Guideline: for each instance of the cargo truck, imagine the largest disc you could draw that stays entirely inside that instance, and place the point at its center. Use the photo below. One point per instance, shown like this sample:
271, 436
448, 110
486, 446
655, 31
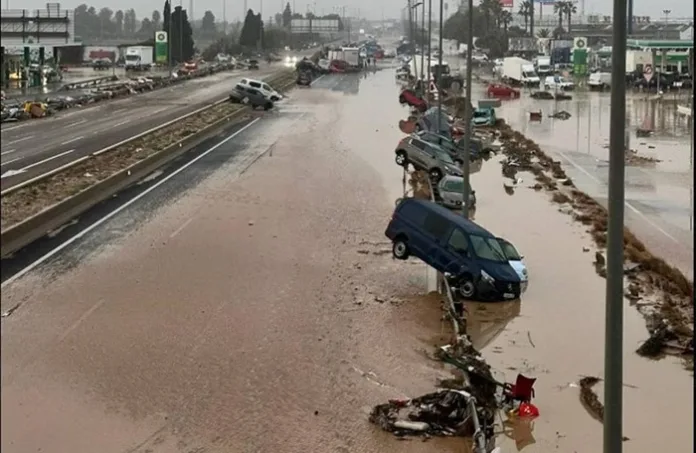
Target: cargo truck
139, 58
518, 71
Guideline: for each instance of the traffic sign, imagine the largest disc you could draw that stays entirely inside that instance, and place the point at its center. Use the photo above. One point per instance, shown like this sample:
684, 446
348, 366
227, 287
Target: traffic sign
648, 72
161, 47
161, 36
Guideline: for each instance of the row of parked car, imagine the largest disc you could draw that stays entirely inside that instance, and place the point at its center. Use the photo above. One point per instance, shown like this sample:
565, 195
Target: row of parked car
17, 109
478, 264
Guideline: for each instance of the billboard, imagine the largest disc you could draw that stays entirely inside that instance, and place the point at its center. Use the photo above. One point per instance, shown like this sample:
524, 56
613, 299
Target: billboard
506, 3
96, 53
161, 47
314, 25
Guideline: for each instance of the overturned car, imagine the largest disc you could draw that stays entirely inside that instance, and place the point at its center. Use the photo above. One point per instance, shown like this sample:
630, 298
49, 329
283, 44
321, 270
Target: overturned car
242, 94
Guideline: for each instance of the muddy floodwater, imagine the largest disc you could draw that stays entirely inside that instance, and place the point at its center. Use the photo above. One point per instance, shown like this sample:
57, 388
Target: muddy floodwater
251, 304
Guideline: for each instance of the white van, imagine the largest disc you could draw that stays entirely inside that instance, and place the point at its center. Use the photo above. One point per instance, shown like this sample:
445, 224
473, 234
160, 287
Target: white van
263, 87
558, 82
599, 81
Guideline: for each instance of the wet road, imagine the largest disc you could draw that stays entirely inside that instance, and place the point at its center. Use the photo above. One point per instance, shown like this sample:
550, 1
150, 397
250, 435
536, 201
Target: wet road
249, 302
32, 148
659, 196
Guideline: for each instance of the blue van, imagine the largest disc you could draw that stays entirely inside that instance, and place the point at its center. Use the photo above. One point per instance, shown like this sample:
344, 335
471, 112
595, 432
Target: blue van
450, 243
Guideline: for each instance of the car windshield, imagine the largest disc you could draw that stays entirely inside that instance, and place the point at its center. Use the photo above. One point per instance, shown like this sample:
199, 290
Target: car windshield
488, 249
454, 186
480, 113
509, 250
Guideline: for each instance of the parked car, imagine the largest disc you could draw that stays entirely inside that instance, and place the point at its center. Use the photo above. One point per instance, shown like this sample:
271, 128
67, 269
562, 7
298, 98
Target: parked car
413, 100
451, 192
516, 261
599, 80
558, 83
499, 90
454, 245
425, 156
251, 96
455, 149
253, 65
483, 117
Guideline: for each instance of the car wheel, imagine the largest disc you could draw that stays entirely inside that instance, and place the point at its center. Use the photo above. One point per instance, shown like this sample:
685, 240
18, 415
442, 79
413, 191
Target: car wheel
436, 174
466, 287
400, 249
401, 159
268, 106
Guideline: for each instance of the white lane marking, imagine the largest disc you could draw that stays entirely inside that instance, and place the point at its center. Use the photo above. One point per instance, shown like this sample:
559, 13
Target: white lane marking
76, 123
4, 129
6, 162
119, 110
181, 228
20, 139
36, 164
73, 140
121, 123
628, 205
5, 153
81, 319
116, 211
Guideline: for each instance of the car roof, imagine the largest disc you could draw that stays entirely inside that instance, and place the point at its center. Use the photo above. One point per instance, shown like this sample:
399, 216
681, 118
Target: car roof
467, 225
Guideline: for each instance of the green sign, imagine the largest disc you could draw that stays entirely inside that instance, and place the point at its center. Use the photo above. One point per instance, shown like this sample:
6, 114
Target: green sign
579, 62
161, 47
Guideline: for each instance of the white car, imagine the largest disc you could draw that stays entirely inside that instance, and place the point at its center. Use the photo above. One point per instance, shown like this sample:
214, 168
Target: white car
558, 82
290, 62
263, 87
516, 262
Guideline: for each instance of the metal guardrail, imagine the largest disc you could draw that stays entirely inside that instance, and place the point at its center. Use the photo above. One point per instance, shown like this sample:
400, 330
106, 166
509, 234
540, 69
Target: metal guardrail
37, 226
270, 80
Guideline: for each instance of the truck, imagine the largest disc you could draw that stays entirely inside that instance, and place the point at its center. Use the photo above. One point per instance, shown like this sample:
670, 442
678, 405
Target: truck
139, 58
543, 66
518, 71
351, 55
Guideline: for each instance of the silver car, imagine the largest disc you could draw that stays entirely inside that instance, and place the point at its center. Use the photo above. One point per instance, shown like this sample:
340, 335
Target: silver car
451, 188
427, 157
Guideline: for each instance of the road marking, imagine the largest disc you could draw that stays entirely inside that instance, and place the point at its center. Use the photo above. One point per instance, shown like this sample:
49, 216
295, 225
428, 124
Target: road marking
4, 153
36, 164
121, 208
181, 228
73, 140
77, 123
81, 319
11, 128
20, 139
6, 162
121, 123
628, 205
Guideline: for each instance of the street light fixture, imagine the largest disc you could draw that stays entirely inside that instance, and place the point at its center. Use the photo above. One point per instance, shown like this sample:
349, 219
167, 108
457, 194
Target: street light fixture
414, 7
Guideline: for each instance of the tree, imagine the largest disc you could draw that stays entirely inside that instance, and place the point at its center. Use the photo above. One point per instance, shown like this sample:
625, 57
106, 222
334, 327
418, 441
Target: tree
544, 33
181, 36
166, 25
525, 11
252, 30
505, 20
118, 17
156, 19
287, 15
278, 19
569, 9
559, 8
208, 23
107, 27
147, 29
130, 22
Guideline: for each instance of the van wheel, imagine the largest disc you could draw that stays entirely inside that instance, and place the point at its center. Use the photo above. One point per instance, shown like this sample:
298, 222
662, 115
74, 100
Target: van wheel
401, 159
467, 288
400, 249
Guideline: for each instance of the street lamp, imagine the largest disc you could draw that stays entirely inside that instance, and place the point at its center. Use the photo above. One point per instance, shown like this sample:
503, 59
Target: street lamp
414, 7
467, 110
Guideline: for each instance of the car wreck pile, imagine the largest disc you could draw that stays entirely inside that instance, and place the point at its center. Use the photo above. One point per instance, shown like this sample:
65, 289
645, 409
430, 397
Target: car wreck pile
81, 94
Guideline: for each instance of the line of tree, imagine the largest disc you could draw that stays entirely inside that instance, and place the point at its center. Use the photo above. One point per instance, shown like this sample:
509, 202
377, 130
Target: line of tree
564, 9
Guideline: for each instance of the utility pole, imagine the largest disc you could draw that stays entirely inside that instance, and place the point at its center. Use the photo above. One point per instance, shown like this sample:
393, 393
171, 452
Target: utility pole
629, 27
430, 37
181, 31
531, 18
613, 339
421, 34
467, 111
439, 63
224, 16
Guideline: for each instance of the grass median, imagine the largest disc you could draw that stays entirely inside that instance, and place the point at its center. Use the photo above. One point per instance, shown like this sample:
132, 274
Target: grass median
28, 201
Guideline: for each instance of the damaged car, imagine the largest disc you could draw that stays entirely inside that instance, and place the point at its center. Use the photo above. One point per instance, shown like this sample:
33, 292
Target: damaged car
250, 96
454, 245
450, 190
427, 157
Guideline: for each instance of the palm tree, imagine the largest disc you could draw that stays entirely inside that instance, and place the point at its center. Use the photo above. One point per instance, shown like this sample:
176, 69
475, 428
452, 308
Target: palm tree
569, 9
559, 8
525, 11
544, 33
505, 20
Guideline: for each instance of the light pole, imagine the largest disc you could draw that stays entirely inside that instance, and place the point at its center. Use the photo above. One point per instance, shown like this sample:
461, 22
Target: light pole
613, 339
430, 36
439, 78
421, 33
467, 111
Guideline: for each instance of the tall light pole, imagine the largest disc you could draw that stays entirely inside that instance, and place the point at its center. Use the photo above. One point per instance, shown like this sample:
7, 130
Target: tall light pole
467, 111
613, 339
421, 33
439, 78
430, 35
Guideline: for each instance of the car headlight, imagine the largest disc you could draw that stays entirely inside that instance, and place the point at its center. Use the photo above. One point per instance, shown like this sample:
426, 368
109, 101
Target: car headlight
524, 272
487, 277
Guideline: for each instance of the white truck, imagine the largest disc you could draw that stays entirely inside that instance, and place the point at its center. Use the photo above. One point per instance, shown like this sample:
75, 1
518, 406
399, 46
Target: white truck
518, 71
139, 58
543, 66
351, 55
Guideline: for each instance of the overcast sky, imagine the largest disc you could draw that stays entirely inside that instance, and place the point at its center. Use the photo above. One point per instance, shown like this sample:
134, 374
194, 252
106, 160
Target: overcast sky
368, 8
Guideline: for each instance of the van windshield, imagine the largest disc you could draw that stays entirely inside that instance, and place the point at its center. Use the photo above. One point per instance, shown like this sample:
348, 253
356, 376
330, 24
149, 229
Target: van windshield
488, 249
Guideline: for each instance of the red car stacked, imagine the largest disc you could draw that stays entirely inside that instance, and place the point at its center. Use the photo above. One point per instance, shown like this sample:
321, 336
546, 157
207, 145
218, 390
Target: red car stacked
498, 90
412, 99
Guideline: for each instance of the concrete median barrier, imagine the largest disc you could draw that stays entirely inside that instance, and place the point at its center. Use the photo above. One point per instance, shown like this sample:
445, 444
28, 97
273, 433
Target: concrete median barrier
24, 232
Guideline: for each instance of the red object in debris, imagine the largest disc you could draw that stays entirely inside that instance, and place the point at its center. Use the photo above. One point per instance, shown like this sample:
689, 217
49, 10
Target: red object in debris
400, 403
527, 410
522, 390
338, 66
499, 90
412, 99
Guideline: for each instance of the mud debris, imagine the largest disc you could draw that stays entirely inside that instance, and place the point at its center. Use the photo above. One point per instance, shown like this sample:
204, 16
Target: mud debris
589, 399
649, 276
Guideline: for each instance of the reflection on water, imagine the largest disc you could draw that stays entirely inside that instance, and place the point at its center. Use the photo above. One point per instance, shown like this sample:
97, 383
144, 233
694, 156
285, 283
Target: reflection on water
488, 320
520, 429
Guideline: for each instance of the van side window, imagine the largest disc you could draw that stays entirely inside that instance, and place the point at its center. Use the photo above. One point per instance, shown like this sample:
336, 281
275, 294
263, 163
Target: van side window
436, 225
458, 242
255, 84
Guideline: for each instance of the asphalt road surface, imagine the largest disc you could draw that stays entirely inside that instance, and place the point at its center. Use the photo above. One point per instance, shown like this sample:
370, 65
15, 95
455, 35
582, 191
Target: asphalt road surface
32, 148
244, 299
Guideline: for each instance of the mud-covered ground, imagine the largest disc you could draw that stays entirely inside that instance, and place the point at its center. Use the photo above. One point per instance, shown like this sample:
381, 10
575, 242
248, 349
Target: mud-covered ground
253, 305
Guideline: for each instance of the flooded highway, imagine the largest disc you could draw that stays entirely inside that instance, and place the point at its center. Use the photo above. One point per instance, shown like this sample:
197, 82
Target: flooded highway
249, 303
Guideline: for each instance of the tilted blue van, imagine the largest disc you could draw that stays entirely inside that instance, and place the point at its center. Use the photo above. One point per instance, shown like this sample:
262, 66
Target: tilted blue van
450, 243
